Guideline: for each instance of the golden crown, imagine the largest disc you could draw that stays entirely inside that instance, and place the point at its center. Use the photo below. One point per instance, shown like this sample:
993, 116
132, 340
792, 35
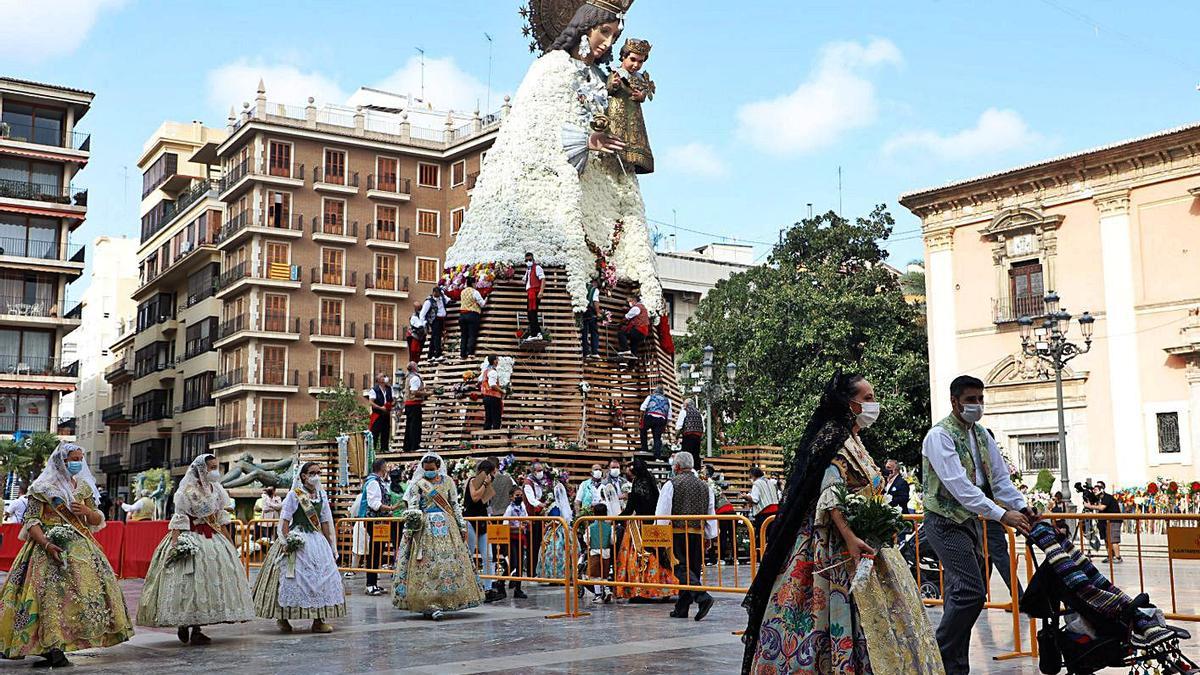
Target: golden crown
636, 46
618, 7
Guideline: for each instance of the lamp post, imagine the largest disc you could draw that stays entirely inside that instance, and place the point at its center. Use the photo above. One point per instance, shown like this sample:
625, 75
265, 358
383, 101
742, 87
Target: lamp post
707, 385
1049, 343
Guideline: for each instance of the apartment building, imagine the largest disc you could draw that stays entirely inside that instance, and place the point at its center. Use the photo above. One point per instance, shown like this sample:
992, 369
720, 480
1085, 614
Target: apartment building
105, 301
168, 363
688, 276
337, 220
41, 205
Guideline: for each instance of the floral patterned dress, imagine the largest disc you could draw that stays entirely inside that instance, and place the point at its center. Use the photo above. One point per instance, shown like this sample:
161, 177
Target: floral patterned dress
73, 606
434, 571
813, 625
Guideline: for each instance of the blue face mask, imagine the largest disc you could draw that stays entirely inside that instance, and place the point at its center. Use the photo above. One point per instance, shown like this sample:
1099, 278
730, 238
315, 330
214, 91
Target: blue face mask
431, 474
74, 467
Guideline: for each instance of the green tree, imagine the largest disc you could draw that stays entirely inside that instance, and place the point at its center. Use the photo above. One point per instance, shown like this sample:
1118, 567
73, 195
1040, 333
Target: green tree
26, 457
344, 413
823, 301
913, 282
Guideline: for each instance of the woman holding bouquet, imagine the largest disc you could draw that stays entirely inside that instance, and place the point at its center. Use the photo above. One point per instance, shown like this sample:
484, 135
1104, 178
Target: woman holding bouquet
196, 577
61, 594
299, 577
803, 616
552, 555
434, 573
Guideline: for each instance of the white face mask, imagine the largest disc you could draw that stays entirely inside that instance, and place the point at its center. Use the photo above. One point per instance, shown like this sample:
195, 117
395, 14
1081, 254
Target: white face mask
870, 413
214, 476
972, 412
529, 263
387, 380
597, 474
314, 482
615, 473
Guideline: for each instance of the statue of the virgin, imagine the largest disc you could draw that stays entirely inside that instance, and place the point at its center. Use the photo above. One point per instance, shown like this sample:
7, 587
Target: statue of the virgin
553, 183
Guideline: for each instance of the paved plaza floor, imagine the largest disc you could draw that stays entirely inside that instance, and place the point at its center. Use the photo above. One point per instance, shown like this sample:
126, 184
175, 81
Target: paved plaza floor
508, 637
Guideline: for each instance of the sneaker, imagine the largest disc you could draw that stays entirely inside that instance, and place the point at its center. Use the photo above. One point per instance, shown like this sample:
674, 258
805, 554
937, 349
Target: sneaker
348, 575
1119, 559
375, 590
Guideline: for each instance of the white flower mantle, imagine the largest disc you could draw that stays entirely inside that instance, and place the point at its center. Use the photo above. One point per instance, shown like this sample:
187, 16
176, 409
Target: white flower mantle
530, 198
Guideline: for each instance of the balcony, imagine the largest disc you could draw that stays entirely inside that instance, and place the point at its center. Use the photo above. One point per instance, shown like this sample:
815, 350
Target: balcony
334, 231
243, 226
268, 379
271, 431
319, 382
165, 168
269, 326
239, 177
115, 415
38, 366
389, 188
70, 195
41, 254
112, 463
27, 133
336, 281
199, 191
11, 423
276, 275
197, 346
1010, 308
332, 332
147, 454
382, 335
121, 371
388, 237
335, 183
28, 310
389, 286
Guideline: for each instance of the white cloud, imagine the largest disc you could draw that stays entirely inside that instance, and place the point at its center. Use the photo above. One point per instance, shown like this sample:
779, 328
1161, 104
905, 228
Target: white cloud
835, 99
33, 31
996, 132
235, 83
696, 159
447, 86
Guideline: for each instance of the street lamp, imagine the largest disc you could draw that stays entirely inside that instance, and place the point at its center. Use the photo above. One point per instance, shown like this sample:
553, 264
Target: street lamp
707, 385
1049, 343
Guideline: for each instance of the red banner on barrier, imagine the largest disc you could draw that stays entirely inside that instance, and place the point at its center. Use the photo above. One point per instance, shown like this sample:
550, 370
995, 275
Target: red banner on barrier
111, 539
141, 538
11, 546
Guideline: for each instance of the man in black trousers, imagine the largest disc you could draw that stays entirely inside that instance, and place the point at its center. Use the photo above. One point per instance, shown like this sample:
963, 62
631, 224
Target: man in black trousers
686, 495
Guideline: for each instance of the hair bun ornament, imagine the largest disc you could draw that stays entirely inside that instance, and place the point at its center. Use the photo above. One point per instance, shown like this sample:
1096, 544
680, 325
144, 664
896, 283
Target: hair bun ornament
545, 20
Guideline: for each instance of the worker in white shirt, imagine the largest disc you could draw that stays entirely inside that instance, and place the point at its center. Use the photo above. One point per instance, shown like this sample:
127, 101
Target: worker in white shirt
433, 314
415, 335
763, 498
535, 285
635, 329
689, 428
14, 511
686, 494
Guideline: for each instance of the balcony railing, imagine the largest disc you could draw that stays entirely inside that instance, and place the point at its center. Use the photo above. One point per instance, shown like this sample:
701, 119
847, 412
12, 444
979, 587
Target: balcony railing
236, 273
235, 173
243, 220
19, 305
43, 366
320, 175
10, 423
112, 463
198, 346
27, 133
380, 331
233, 325
147, 455
270, 430
185, 200
75, 312
377, 232
42, 250
337, 227
345, 278
114, 413
43, 192
386, 283
324, 328
400, 186
229, 378
122, 367
279, 376
1009, 309
277, 322
318, 379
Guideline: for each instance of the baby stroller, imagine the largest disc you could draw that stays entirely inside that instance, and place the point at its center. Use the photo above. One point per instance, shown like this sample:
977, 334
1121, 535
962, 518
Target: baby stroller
929, 581
1089, 624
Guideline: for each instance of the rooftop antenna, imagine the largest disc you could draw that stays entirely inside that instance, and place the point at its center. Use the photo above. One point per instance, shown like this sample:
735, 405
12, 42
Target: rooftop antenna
810, 210
839, 190
489, 93
422, 53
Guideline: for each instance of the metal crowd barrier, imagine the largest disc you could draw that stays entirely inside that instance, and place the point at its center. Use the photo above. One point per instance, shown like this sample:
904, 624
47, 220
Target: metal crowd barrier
367, 545
256, 538
510, 550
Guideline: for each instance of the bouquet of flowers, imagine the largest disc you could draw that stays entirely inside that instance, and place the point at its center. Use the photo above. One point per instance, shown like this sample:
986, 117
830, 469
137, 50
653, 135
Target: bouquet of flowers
294, 542
413, 520
61, 535
874, 520
184, 549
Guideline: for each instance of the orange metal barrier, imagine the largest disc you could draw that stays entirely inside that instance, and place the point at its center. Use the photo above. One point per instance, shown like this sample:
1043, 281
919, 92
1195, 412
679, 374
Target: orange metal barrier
367, 544
762, 535
672, 546
526, 549
256, 538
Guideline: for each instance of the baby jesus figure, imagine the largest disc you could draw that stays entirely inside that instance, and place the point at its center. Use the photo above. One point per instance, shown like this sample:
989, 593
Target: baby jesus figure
628, 88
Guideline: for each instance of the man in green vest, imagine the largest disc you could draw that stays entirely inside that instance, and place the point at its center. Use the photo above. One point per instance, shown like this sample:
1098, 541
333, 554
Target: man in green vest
965, 477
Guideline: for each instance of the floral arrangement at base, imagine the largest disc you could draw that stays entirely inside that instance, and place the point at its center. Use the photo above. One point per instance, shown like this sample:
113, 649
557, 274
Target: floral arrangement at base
454, 279
185, 548
552, 442
468, 387
459, 469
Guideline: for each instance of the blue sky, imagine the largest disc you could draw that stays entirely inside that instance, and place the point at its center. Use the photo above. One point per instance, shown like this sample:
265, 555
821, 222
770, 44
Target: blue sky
758, 102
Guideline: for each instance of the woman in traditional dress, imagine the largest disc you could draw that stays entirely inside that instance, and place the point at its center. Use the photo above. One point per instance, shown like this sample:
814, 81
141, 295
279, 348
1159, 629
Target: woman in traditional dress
61, 594
803, 618
634, 562
552, 185
434, 573
303, 583
208, 585
552, 555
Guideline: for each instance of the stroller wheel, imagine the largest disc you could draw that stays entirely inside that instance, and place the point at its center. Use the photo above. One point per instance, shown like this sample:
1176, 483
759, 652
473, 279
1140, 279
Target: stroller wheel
930, 590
